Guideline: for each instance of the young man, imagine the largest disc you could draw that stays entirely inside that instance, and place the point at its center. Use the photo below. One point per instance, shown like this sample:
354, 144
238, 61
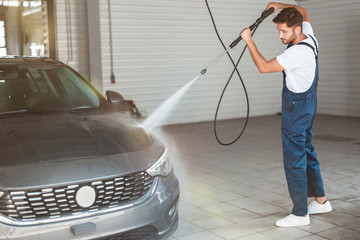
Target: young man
299, 63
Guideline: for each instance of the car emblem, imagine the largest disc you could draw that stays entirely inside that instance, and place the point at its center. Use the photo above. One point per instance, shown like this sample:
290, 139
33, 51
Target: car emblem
85, 196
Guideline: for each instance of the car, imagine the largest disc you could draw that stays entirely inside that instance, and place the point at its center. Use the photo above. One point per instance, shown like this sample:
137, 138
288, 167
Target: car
72, 166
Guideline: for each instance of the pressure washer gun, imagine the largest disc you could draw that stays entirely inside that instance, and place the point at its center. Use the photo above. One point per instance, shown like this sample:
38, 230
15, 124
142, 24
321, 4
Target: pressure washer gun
264, 15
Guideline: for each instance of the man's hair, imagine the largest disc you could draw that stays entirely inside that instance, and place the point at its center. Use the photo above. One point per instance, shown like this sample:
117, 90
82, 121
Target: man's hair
291, 16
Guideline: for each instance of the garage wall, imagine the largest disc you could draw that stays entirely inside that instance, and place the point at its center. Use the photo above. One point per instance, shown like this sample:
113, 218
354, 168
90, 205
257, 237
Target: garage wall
72, 34
337, 27
161, 45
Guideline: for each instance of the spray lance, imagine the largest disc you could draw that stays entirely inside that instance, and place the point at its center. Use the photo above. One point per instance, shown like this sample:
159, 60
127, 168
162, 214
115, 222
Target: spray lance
252, 28
264, 15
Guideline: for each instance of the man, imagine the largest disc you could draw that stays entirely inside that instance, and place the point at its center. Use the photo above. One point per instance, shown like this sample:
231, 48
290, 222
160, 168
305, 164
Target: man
299, 63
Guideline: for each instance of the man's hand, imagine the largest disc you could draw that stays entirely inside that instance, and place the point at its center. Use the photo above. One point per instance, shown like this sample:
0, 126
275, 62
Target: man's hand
261, 63
274, 5
277, 6
246, 35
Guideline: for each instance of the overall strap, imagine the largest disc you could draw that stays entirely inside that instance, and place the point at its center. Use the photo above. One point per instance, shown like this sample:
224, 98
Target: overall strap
316, 52
283, 72
307, 44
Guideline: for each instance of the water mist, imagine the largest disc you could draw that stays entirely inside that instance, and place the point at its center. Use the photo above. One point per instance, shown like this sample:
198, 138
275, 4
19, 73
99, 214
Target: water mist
162, 113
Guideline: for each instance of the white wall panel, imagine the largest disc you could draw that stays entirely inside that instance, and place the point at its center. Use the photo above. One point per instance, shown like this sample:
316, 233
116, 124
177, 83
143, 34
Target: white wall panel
72, 34
160, 45
337, 27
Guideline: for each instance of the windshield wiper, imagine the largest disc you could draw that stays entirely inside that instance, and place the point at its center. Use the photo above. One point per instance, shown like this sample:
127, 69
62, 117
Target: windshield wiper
44, 109
10, 112
34, 109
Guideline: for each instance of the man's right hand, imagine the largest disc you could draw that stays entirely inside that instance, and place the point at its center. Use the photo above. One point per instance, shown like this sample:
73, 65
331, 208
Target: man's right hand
275, 5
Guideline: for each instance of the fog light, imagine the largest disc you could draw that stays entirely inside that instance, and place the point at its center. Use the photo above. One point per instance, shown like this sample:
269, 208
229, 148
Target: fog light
172, 212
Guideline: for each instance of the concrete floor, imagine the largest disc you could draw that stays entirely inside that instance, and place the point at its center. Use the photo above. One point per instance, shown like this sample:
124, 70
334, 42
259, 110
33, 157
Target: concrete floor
238, 192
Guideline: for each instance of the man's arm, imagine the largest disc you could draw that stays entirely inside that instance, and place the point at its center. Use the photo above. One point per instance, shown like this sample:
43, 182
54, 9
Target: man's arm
264, 66
277, 6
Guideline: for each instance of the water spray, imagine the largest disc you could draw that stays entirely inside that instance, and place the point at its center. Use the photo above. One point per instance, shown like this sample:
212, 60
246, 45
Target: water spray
158, 117
252, 28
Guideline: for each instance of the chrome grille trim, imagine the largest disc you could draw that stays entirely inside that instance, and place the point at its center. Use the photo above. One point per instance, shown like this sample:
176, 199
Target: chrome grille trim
60, 205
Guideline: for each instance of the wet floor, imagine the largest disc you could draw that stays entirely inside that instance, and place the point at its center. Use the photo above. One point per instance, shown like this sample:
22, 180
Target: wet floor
238, 192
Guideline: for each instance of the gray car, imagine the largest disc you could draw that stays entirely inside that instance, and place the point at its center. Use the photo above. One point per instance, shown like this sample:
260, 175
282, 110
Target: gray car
72, 166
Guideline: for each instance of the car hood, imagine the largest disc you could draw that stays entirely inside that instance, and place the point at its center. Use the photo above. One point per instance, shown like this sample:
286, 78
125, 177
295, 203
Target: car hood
54, 137
66, 148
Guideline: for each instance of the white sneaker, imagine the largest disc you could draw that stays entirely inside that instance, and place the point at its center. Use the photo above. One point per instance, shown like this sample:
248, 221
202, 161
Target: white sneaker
315, 208
293, 221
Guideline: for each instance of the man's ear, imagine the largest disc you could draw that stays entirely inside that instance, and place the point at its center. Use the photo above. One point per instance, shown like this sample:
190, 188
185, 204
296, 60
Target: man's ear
298, 30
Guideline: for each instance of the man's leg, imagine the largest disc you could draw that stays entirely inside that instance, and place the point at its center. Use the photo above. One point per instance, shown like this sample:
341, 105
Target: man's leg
295, 170
315, 183
293, 132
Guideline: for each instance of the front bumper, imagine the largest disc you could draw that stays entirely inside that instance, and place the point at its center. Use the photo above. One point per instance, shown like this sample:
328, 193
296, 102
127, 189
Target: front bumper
151, 214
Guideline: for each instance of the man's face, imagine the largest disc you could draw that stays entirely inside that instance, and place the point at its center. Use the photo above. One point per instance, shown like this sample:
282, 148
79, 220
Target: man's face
286, 34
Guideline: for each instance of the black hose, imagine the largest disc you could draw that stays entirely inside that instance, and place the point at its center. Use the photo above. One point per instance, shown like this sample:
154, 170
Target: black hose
227, 83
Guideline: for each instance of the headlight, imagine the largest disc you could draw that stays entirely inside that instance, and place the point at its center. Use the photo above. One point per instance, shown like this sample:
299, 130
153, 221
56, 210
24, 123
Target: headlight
161, 167
1, 194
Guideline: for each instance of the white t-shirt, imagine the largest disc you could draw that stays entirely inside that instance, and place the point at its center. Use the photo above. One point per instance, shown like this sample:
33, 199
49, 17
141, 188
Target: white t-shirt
299, 63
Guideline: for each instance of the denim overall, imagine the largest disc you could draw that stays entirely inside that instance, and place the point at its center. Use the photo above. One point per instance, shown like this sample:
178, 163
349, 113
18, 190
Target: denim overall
301, 165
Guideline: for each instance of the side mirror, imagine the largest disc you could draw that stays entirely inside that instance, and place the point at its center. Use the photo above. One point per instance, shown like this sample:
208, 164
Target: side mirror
114, 98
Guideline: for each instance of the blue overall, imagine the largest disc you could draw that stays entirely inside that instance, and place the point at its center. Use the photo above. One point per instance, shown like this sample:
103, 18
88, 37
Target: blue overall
301, 165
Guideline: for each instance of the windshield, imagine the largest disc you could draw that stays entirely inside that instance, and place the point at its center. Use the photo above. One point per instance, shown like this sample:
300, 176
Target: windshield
43, 88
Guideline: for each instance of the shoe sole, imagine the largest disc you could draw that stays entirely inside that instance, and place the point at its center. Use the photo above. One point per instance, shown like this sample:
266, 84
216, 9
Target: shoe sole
320, 212
298, 225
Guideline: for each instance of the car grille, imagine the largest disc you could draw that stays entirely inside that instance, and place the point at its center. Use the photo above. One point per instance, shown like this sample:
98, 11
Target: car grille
143, 233
57, 202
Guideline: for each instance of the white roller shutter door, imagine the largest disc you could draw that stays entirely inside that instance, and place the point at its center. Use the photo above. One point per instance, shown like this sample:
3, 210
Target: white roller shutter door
72, 34
160, 45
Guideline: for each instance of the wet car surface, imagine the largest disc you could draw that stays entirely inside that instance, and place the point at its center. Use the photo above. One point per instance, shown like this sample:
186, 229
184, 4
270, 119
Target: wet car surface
72, 166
